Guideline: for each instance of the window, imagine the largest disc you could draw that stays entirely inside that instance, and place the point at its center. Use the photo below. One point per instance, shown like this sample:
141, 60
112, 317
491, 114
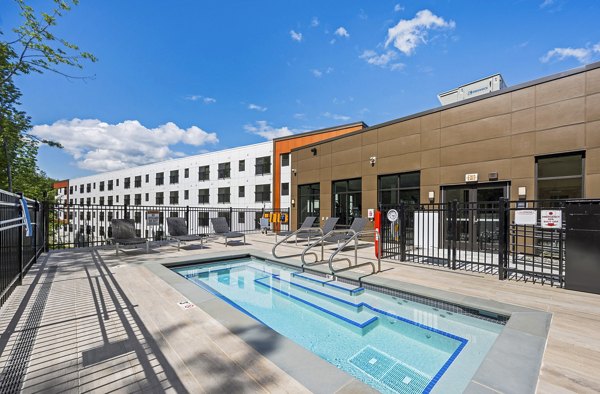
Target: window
262, 193
263, 165
242, 191
70, 189
242, 166
127, 183
186, 173
137, 200
285, 189
186, 194
147, 178
88, 188
204, 173
94, 200
225, 215
223, 195
174, 197
137, 217
110, 200
560, 176
110, 185
309, 203
102, 186
117, 198
241, 217
285, 160
399, 187
147, 197
160, 198
94, 186
117, 181
127, 199
203, 196
224, 170
101, 200
174, 177
160, 178
88, 201
138, 181
81, 188
347, 201
203, 219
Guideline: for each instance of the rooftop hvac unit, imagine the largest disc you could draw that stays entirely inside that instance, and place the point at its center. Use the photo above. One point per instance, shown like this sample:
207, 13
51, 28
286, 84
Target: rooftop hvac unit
473, 89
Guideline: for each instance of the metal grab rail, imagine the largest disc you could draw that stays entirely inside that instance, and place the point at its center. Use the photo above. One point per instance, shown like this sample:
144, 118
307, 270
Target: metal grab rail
300, 230
354, 237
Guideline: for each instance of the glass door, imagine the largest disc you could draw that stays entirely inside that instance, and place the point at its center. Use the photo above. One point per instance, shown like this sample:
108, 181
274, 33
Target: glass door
477, 219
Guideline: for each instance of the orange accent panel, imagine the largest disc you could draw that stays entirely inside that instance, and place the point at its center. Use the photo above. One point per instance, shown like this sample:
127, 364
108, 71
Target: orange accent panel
286, 146
59, 184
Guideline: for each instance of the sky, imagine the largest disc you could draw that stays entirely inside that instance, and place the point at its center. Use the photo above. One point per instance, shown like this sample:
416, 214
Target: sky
178, 78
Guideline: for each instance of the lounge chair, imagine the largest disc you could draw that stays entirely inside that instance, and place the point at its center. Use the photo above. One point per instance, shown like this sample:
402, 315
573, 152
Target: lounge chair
178, 231
221, 229
328, 226
358, 225
306, 226
123, 233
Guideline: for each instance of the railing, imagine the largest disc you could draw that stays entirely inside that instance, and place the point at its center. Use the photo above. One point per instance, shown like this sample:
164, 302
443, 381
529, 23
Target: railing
316, 230
478, 236
18, 251
354, 236
90, 225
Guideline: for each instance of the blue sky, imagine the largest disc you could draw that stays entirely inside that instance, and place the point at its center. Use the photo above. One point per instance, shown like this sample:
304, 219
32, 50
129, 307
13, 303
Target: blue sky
182, 77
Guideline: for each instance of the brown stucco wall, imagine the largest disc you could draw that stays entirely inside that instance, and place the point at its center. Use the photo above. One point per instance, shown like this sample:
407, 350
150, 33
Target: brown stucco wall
502, 132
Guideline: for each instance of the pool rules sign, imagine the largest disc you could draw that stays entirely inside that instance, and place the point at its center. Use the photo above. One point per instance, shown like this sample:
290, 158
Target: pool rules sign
551, 218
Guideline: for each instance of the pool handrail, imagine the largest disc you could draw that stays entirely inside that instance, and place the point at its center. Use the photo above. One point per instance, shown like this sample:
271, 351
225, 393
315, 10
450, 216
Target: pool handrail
316, 230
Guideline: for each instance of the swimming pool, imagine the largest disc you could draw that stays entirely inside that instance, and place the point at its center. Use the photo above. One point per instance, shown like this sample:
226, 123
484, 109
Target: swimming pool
392, 343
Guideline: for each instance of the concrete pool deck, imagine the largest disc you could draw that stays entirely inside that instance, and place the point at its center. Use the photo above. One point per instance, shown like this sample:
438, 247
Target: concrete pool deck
86, 320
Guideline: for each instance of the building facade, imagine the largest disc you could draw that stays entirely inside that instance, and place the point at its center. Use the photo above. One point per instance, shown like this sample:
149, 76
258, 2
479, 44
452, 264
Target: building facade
537, 140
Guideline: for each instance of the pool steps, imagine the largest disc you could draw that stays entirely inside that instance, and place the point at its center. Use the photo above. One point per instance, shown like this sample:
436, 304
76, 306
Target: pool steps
353, 290
343, 310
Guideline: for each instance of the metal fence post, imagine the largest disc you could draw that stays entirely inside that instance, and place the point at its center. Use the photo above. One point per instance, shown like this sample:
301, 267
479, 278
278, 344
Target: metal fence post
454, 220
402, 229
46, 226
35, 231
502, 238
187, 217
20, 241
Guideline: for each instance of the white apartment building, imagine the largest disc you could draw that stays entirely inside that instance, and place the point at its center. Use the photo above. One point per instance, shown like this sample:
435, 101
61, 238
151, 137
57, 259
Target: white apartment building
238, 177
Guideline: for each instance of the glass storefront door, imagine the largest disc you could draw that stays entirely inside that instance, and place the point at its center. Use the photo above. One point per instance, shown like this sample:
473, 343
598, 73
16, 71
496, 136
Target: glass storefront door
309, 198
477, 216
347, 201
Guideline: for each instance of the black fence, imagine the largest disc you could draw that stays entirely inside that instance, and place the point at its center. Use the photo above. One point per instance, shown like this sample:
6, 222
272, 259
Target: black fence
480, 237
90, 225
17, 250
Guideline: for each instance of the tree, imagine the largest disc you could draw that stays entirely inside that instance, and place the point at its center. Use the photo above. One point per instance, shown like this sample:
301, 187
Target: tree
34, 48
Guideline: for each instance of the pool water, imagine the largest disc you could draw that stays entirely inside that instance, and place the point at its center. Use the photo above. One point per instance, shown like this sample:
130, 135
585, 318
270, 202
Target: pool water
393, 344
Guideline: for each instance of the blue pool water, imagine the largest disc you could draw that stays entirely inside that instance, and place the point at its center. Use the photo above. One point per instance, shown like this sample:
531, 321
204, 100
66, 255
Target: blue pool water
393, 344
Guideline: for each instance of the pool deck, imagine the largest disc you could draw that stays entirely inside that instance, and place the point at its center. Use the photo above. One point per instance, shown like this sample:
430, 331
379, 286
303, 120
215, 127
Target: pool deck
87, 320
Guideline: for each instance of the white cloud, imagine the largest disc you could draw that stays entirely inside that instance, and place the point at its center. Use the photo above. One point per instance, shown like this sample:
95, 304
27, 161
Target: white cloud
336, 116
314, 22
398, 8
256, 107
262, 128
205, 99
582, 55
546, 3
299, 116
319, 73
296, 36
410, 33
342, 32
384, 60
100, 146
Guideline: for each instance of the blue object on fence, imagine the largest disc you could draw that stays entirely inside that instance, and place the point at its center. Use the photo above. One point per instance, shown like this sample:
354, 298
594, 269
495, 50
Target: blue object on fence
26, 217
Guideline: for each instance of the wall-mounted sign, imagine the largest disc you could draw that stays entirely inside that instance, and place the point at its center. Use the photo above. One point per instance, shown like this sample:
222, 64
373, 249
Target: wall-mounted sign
526, 217
471, 177
551, 219
392, 215
152, 218
370, 213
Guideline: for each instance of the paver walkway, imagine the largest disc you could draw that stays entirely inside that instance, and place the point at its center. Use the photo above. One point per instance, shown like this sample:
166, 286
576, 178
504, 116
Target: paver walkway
86, 320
